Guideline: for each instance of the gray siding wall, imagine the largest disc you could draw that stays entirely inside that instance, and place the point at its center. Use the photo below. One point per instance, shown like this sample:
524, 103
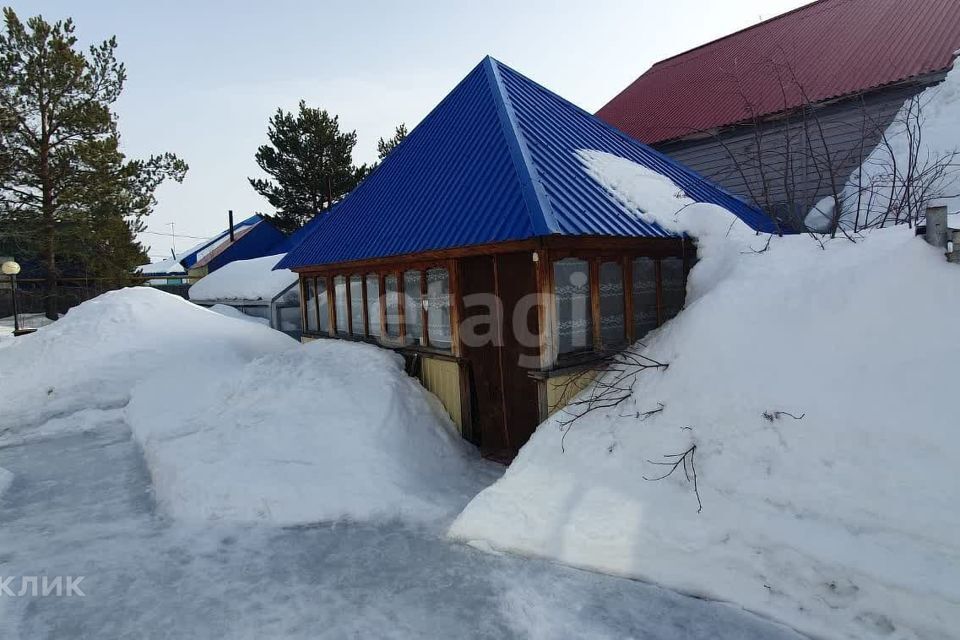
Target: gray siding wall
786, 165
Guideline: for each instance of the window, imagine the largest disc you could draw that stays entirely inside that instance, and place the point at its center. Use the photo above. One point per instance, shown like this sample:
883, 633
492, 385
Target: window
340, 304
373, 304
644, 296
572, 287
288, 319
438, 308
412, 307
392, 300
612, 325
672, 287
324, 315
310, 304
356, 305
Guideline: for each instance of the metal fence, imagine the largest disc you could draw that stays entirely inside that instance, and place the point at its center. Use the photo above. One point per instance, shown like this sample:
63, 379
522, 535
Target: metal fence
71, 292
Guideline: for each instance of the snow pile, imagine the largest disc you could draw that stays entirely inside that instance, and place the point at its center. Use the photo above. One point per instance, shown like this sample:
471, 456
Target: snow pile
245, 280
237, 421
92, 357
840, 521
924, 134
328, 431
233, 312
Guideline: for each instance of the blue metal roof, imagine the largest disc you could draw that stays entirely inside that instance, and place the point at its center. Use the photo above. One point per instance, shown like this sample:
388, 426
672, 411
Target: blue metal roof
259, 238
189, 258
494, 161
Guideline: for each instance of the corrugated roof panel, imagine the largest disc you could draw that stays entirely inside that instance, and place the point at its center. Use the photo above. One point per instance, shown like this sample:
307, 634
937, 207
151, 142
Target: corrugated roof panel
553, 130
451, 183
494, 161
823, 50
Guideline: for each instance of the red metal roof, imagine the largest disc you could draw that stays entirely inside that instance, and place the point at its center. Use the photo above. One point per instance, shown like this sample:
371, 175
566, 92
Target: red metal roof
823, 50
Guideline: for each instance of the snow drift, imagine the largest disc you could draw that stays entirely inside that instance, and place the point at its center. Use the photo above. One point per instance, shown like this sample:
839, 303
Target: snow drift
924, 135
840, 521
327, 431
237, 421
91, 358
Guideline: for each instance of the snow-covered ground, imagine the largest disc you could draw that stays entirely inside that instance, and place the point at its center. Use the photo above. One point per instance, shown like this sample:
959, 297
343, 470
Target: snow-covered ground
81, 505
142, 435
840, 519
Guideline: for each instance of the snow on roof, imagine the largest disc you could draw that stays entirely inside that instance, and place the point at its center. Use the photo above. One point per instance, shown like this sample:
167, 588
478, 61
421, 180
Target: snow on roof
252, 279
169, 265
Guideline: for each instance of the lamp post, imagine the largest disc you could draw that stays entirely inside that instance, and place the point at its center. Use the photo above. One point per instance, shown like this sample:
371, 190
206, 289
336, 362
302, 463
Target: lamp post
11, 268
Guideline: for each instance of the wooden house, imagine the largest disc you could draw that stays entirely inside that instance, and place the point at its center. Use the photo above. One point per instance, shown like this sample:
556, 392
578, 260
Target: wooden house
483, 251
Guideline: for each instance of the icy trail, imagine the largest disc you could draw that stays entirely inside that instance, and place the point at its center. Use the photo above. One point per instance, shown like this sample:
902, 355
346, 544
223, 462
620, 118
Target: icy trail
81, 505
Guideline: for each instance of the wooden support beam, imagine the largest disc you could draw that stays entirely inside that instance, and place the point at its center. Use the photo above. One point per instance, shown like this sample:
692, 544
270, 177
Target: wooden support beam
594, 287
628, 298
331, 310
456, 305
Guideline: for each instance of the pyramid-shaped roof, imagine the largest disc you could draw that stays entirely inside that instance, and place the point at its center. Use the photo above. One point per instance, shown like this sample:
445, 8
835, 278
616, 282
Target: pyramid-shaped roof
495, 161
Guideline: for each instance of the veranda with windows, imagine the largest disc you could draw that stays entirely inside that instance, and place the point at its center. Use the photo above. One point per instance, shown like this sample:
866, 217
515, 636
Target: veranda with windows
574, 301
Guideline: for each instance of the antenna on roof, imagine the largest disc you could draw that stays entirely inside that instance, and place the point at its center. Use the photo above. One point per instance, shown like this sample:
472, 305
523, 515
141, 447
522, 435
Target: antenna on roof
230, 219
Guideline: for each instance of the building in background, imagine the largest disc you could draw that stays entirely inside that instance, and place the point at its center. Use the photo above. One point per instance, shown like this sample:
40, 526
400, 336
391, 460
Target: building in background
489, 199
254, 289
782, 113
254, 237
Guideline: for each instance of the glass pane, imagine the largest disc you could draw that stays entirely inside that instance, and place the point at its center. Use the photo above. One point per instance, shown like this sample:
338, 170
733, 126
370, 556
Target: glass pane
340, 291
412, 306
356, 305
324, 316
257, 312
572, 288
644, 296
289, 319
438, 308
311, 304
392, 301
373, 304
612, 325
673, 286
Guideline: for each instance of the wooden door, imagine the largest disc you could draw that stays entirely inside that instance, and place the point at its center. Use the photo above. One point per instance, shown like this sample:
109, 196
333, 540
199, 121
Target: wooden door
503, 397
478, 276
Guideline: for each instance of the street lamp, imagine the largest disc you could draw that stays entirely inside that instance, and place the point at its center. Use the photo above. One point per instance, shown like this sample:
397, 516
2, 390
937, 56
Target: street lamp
11, 268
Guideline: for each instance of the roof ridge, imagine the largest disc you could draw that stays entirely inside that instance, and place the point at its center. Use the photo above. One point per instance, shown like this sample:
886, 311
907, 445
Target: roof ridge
533, 193
739, 31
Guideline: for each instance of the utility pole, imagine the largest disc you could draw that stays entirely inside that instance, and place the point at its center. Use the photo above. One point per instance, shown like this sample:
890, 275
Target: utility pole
173, 238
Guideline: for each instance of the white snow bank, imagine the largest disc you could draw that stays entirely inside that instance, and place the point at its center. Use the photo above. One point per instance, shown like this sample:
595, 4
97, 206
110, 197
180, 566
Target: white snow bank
245, 280
92, 357
237, 421
233, 312
841, 523
925, 133
328, 431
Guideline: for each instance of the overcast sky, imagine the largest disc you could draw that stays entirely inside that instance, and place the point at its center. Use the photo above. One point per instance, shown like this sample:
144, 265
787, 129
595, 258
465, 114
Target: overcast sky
204, 77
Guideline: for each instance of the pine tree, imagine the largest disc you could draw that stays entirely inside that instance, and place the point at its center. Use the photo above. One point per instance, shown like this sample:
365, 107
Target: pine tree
384, 147
69, 199
311, 163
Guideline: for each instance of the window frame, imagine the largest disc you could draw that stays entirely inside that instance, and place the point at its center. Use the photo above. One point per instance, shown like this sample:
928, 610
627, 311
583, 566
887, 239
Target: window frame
420, 342
595, 258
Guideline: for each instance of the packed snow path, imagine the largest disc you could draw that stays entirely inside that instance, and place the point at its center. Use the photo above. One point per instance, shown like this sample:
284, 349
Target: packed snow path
81, 505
